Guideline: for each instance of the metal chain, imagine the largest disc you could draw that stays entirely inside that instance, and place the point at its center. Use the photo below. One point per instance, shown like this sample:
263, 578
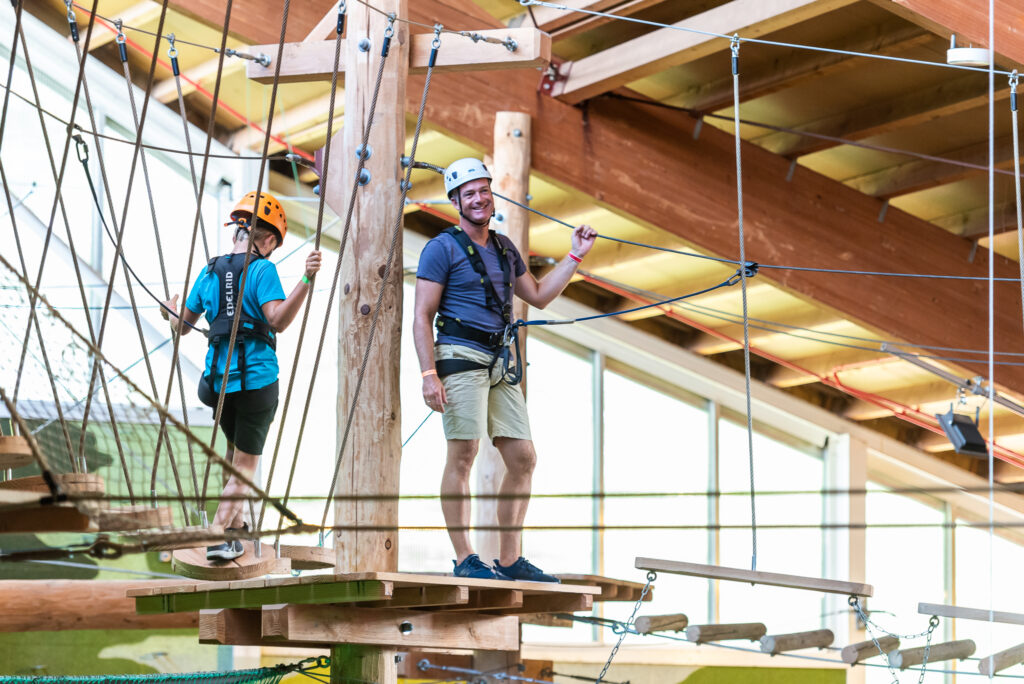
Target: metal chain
933, 622
625, 628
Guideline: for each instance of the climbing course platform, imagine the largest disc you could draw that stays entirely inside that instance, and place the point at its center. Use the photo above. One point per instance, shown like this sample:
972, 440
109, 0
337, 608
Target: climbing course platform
191, 562
14, 452
386, 609
22, 512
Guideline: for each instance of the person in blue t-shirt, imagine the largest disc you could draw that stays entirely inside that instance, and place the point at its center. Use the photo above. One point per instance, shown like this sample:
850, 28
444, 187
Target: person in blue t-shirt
250, 399
466, 278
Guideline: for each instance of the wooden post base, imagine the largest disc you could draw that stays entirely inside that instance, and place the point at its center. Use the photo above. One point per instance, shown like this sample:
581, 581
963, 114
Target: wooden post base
358, 664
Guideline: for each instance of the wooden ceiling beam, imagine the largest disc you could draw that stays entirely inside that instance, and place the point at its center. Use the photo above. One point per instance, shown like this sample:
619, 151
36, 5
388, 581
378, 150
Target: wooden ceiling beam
968, 19
799, 66
166, 91
133, 15
920, 174
668, 47
973, 223
258, 21
708, 344
810, 369
915, 396
561, 24
298, 118
959, 94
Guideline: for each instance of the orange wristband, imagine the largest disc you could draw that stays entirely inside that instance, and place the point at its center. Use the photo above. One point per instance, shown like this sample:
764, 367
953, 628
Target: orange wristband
432, 371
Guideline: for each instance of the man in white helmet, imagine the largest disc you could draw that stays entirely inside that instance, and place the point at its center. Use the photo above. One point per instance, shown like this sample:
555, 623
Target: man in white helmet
466, 278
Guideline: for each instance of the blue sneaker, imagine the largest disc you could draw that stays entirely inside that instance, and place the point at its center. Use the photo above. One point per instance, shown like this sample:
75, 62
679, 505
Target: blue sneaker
523, 569
473, 567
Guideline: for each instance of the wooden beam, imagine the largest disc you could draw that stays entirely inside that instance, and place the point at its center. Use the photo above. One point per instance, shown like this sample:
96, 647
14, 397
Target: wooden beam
996, 662
238, 627
390, 628
561, 24
309, 62
286, 124
258, 20
862, 650
958, 94
254, 597
780, 643
134, 15
963, 613
755, 577
968, 20
404, 597
702, 634
800, 66
973, 223
708, 344
59, 605
914, 395
950, 650
646, 624
809, 369
372, 461
668, 47
167, 91
919, 174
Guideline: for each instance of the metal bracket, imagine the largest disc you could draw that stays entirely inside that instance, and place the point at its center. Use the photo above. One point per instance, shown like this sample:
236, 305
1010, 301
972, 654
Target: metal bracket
552, 75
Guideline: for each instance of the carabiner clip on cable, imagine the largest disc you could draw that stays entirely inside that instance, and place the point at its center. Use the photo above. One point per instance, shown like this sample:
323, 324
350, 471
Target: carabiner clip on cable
120, 40
341, 17
172, 53
388, 33
72, 22
435, 45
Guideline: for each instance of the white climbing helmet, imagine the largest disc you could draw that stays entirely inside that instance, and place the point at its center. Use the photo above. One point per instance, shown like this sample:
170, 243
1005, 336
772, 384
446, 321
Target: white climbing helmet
461, 171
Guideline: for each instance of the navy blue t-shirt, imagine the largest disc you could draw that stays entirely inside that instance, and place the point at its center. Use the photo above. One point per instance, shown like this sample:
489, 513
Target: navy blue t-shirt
443, 261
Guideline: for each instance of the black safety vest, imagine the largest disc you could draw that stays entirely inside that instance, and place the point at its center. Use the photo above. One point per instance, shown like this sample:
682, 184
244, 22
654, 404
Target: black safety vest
228, 270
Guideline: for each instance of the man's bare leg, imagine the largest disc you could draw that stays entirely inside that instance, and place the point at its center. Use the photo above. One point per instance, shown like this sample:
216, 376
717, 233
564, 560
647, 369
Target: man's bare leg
520, 460
458, 508
229, 512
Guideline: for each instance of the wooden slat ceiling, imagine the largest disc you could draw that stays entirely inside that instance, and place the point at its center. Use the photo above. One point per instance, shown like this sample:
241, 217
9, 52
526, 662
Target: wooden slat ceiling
924, 110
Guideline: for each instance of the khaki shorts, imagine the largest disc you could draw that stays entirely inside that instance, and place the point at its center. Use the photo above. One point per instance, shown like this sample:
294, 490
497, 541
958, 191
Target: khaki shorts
474, 408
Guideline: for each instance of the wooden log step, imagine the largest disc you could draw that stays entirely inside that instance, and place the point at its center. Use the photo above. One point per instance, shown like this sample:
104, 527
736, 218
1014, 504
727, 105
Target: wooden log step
14, 451
308, 557
1002, 660
646, 624
69, 483
780, 643
950, 650
138, 517
192, 563
700, 634
862, 650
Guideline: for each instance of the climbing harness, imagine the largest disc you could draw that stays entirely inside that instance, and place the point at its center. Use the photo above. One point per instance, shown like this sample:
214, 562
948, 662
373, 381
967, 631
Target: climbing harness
500, 342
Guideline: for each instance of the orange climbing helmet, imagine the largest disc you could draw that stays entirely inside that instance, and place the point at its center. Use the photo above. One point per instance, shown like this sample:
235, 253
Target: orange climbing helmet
269, 209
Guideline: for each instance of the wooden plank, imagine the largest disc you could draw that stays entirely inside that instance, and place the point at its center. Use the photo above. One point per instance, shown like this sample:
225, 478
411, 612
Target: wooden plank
14, 451
950, 650
20, 512
968, 20
862, 650
982, 614
312, 61
489, 599
390, 628
538, 603
401, 579
611, 589
238, 627
69, 483
545, 620
570, 24
667, 47
138, 517
348, 592
58, 605
423, 596
755, 577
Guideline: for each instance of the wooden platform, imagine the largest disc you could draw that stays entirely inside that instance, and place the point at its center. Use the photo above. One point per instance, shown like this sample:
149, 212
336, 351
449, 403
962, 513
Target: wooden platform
374, 608
22, 512
192, 563
15, 452
138, 517
755, 577
308, 557
69, 483
982, 614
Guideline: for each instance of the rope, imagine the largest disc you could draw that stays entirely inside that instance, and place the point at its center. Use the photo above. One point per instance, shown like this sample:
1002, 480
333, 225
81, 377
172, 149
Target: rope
309, 297
386, 276
735, 48
172, 53
248, 252
164, 413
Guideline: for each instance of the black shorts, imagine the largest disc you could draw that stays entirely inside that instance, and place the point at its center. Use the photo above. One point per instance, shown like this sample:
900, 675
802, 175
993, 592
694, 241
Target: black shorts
247, 415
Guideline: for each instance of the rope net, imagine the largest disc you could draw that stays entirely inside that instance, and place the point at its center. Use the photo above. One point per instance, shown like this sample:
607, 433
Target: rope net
263, 675
91, 421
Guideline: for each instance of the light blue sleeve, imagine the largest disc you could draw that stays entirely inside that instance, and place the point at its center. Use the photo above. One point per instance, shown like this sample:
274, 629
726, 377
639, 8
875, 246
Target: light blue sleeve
194, 302
268, 283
